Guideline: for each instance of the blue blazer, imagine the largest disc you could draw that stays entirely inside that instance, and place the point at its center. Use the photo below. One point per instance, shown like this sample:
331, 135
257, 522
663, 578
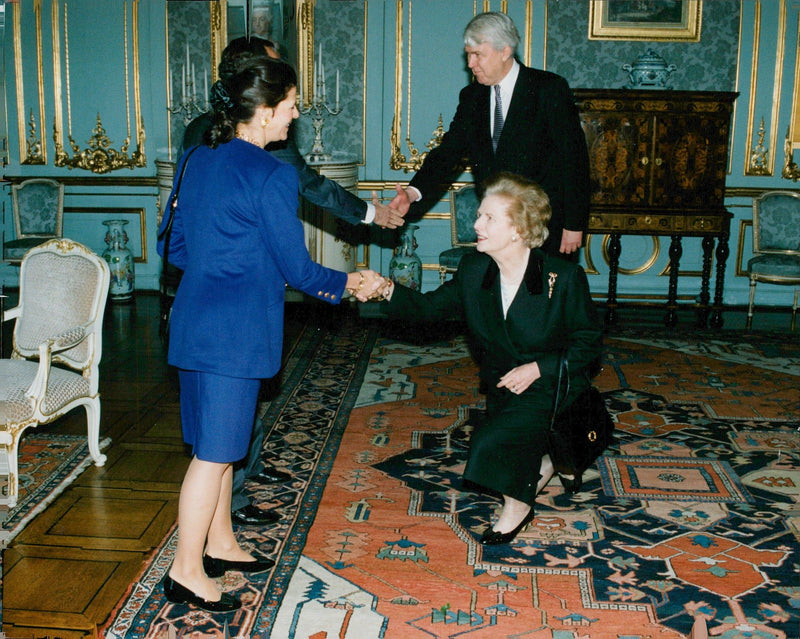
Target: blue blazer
315, 188
238, 240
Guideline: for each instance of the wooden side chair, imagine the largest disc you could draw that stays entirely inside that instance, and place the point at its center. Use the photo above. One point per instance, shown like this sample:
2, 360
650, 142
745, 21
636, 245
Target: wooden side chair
56, 349
463, 213
776, 245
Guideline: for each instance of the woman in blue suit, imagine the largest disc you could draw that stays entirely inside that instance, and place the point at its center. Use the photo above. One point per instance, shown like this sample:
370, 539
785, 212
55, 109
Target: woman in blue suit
237, 238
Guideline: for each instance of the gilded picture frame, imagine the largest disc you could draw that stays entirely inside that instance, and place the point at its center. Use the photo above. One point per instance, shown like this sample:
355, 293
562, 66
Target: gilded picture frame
652, 20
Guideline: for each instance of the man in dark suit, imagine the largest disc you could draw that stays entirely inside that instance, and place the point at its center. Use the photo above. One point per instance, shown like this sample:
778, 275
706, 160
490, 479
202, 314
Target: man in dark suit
318, 190
538, 134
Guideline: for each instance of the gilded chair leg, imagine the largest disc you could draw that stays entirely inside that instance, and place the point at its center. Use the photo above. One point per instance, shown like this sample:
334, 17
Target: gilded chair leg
750, 304
442, 274
12, 450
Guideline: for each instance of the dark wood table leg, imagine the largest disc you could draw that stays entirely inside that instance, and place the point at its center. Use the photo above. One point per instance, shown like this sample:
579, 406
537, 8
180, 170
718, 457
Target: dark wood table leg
703, 309
722, 257
675, 252
614, 250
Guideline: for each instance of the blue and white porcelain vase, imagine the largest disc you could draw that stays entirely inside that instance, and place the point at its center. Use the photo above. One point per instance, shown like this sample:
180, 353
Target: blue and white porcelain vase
120, 261
405, 267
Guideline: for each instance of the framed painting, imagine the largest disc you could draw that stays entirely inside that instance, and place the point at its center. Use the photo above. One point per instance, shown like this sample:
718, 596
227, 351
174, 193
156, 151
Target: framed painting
273, 20
645, 20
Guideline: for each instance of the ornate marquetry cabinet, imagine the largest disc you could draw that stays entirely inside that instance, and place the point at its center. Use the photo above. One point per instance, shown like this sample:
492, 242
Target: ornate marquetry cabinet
658, 163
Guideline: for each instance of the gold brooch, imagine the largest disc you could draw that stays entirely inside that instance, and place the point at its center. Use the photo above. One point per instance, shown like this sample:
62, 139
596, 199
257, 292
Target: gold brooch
551, 282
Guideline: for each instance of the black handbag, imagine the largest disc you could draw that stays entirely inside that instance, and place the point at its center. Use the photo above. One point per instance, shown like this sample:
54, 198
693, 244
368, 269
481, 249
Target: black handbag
579, 432
170, 274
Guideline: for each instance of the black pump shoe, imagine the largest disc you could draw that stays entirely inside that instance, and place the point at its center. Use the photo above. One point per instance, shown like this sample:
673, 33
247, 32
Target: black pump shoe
217, 567
492, 537
179, 594
572, 485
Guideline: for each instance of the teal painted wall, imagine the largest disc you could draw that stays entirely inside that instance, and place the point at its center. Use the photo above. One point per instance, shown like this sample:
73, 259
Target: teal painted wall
745, 45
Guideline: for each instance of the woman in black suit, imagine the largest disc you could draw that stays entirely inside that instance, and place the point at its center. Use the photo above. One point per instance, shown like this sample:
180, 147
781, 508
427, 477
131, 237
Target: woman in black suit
523, 308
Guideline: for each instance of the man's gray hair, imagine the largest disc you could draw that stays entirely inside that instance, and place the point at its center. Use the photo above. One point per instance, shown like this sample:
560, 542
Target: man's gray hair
493, 27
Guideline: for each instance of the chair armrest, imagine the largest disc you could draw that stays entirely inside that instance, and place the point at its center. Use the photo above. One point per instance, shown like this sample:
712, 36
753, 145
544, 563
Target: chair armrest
11, 313
61, 342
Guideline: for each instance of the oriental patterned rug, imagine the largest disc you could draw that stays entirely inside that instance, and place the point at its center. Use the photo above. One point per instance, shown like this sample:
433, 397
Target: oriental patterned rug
693, 516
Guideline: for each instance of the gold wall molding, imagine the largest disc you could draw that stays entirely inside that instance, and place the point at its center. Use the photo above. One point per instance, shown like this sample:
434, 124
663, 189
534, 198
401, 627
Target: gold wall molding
790, 169
760, 154
99, 156
110, 212
31, 149
760, 161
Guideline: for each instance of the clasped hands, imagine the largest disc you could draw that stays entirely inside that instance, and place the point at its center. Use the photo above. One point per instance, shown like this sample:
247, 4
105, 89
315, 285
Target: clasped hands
387, 217
368, 285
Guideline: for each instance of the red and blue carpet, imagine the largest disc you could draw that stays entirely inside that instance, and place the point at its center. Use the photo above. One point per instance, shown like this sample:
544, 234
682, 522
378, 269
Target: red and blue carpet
694, 515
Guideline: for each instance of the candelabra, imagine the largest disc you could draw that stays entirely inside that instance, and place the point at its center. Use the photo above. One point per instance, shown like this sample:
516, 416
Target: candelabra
319, 108
190, 105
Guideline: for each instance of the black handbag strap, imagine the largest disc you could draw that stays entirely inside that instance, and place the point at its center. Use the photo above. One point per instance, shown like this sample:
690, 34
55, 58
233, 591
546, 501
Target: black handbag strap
166, 232
563, 367
173, 203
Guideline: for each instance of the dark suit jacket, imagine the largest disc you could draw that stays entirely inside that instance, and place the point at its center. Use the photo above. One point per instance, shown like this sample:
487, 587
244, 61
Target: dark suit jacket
537, 328
542, 140
314, 187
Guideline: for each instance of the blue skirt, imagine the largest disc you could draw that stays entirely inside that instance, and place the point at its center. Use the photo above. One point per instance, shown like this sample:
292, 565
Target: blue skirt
217, 414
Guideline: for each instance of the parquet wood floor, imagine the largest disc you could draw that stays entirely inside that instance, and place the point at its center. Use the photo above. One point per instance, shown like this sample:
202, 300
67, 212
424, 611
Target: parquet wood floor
65, 572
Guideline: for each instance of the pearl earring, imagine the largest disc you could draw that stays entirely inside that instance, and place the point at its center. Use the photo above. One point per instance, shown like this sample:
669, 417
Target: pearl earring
264, 122
514, 238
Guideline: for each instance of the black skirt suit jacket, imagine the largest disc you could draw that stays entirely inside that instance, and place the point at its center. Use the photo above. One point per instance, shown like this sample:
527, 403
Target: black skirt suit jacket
542, 140
552, 313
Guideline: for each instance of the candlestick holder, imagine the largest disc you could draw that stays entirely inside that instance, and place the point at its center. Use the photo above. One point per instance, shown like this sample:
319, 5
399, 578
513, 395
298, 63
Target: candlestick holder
319, 109
190, 107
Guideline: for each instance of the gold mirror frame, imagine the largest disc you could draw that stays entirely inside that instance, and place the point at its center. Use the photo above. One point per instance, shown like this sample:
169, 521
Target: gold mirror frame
305, 42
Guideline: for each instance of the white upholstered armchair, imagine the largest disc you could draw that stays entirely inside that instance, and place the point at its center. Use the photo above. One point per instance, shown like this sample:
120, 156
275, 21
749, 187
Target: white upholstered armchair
62, 295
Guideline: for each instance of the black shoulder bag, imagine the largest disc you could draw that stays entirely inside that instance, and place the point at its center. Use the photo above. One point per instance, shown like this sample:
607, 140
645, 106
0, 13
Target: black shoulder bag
170, 275
580, 432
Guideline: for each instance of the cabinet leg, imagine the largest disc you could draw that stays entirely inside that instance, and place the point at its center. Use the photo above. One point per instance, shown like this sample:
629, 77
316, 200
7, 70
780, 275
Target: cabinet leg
675, 252
614, 250
722, 257
703, 308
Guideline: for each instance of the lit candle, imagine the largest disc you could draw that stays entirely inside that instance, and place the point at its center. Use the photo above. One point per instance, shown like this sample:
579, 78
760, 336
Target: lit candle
193, 93
205, 84
183, 82
323, 94
337, 90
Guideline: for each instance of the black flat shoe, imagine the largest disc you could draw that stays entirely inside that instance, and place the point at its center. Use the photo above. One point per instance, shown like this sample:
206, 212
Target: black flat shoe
571, 485
217, 567
270, 475
253, 516
179, 594
491, 537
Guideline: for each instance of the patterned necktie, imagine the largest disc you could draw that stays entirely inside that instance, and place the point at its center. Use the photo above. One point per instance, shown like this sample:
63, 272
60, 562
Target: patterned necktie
498, 117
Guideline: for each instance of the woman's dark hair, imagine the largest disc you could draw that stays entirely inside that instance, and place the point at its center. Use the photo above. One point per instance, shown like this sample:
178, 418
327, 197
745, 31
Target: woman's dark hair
259, 81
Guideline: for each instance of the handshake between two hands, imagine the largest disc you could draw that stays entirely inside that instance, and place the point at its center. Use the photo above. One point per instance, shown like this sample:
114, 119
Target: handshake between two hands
369, 285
